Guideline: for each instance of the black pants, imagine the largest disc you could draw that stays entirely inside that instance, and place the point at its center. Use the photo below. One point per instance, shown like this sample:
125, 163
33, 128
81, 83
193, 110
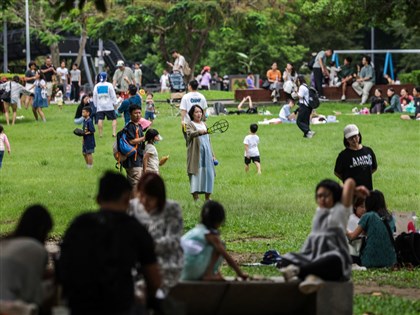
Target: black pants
304, 115
75, 91
328, 268
318, 77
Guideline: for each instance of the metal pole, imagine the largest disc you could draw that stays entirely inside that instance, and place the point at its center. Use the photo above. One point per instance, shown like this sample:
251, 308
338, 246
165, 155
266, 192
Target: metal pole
28, 39
5, 57
101, 55
372, 44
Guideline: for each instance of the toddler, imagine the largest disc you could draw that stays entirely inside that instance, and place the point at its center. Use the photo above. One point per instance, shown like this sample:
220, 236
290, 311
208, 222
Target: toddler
59, 98
252, 153
151, 160
4, 144
150, 107
203, 248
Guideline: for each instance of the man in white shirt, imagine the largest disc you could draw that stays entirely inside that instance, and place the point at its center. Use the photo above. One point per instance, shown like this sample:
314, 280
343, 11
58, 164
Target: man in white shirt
189, 100
104, 99
179, 64
304, 114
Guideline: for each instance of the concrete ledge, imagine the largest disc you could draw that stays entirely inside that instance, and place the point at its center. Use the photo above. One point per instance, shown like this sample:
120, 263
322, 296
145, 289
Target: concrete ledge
262, 298
332, 93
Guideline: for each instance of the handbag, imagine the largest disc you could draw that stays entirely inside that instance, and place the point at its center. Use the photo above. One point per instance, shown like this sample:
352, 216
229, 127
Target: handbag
5, 96
266, 85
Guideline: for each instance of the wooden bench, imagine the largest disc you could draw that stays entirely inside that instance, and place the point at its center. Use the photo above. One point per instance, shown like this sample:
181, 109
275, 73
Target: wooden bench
262, 297
331, 93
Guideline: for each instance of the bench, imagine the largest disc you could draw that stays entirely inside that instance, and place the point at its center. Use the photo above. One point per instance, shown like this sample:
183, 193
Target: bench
331, 93
262, 297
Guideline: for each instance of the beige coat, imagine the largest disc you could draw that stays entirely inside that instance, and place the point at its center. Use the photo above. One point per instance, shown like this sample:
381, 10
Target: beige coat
193, 150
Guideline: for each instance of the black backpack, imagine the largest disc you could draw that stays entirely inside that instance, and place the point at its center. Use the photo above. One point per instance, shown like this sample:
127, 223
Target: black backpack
313, 97
407, 246
311, 63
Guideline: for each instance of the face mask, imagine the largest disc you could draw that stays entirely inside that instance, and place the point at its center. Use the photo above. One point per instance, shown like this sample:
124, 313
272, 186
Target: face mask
156, 142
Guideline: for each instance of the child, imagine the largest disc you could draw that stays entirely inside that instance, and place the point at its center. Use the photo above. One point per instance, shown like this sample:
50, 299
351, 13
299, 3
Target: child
151, 160
378, 225
203, 248
88, 147
41, 97
59, 97
378, 102
251, 142
285, 115
355, 245
4, 143
325, 253
150, 107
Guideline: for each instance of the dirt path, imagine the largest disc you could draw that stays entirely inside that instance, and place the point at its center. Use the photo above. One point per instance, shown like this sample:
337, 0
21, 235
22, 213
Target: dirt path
374, 289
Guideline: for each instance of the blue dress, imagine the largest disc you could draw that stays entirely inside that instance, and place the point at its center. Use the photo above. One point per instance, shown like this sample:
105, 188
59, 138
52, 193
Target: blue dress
40, 99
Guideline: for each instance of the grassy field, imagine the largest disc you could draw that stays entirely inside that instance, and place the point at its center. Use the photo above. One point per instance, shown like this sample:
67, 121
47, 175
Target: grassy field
273, 210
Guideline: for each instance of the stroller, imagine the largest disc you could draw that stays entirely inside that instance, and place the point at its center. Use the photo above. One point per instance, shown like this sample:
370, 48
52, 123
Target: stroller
176, 81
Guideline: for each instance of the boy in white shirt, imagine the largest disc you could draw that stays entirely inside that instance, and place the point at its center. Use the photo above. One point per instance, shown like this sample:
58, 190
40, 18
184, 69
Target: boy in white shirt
252, 153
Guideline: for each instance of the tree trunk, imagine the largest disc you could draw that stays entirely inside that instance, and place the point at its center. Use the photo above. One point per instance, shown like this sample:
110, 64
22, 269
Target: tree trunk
55, 54
82, 45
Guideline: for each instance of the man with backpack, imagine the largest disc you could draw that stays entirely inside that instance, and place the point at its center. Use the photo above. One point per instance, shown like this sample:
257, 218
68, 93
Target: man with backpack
134, 99
320, 70
134, 135
180, 65
306, 103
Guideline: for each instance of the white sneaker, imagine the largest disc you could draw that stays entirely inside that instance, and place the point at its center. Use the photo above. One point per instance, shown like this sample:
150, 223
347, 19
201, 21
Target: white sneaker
273, 94
290, 272
310, 134
311, 284
338, 84
343, 98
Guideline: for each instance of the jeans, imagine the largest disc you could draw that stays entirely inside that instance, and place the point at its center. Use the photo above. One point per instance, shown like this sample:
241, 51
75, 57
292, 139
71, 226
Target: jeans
1, 157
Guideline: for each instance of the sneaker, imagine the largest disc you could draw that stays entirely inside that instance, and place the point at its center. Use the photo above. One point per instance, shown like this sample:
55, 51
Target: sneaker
311, 284
322, 97
310, 134
290, 272
338, 84
343, 98
273, 94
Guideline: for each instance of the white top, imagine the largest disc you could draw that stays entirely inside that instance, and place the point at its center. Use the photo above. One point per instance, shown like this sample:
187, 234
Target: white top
137, 75
179, 64
285, 112
164, 81
189, 100
63, 73
200, 126
353, 222
104, 96
75, 75
252, 141
153, 162
303, 95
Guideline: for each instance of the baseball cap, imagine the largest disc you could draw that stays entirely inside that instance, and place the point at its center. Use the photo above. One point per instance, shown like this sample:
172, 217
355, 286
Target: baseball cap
120, 63
350, 131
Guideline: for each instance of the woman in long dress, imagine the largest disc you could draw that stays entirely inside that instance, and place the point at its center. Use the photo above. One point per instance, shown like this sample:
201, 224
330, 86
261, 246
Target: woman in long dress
200, 156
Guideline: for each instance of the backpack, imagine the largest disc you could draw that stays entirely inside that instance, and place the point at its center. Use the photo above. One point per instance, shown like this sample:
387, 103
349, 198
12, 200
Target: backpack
311, 63
407, 246
187, 69
219, 108
313, 97
122, 149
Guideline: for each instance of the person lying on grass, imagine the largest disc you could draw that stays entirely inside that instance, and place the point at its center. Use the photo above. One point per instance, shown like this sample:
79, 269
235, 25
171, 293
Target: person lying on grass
204, 250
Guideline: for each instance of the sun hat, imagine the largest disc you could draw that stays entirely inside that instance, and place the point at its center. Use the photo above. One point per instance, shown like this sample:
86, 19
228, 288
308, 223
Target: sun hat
120, 63
350, 131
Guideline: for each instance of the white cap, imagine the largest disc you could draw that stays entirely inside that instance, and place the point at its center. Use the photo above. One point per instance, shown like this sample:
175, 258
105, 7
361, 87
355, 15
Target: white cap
350, 131
120, 63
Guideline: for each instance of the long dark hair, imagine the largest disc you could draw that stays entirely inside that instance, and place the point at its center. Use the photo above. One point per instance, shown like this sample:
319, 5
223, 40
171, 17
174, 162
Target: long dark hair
152, 185
332, 186
212, 214
376, 202
35, 222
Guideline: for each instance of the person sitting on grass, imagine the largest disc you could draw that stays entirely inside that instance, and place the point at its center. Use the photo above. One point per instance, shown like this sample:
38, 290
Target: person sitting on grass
286, 115
355, 245
416, 104
393, 105
151, 160
88, 147
325, 253
378, 225
377, 103
203, 248
405, 99
252, 153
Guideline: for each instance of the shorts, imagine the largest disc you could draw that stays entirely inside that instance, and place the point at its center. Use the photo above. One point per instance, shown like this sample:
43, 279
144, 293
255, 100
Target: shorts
49, 88
253, 159
88, 150
149, 115
110, 115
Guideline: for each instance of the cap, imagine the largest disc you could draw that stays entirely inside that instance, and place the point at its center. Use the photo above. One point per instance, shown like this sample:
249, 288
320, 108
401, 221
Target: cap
102, 77
350, 131
120, 63
206, 68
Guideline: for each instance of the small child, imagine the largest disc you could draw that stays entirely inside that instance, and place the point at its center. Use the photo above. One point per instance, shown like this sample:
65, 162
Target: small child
252, 153
88, 147
59, 98
150, 107
285, 115
203, 248
151, 160
4, 144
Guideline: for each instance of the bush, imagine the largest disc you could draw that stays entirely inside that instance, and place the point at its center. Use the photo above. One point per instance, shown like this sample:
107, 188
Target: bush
9, 76
412, 77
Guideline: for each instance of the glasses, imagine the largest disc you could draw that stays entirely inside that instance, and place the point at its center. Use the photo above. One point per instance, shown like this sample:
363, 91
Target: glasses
323, 195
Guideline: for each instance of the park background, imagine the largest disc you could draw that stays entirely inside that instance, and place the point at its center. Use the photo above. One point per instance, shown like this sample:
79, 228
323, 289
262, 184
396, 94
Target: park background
272, 211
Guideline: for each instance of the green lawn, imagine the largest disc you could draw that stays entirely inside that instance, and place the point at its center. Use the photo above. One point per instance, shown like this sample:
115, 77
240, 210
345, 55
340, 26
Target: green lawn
273, 210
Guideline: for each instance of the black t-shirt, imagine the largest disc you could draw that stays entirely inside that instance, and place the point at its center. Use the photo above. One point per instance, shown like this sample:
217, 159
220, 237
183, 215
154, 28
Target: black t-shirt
98, 253
357, 164
48, 75
417, 105
29, 74
136, 160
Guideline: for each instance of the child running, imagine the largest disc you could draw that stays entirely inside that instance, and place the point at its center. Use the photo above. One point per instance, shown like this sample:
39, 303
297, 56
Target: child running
252, 153
151, 160
203, 248
4, 144
88, 147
